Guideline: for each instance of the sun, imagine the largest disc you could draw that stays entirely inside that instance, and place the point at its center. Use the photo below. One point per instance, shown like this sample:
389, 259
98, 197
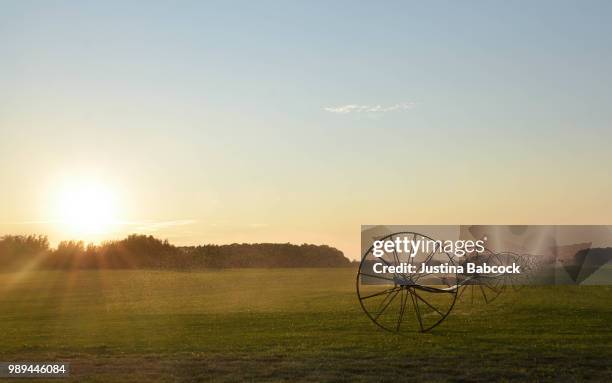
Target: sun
86, 208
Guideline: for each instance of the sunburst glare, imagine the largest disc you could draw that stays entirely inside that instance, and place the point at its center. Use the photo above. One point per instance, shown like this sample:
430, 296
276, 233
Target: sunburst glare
86, 208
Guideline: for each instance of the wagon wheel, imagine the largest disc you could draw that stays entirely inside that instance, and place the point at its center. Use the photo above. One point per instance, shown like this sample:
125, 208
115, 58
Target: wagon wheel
527, 266
405, 302
516, 281
481, 288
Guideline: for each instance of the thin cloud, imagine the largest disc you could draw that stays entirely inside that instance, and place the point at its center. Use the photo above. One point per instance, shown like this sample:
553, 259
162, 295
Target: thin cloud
30, 222
230, 225
258, 225
155, 226
139, 224
356, 108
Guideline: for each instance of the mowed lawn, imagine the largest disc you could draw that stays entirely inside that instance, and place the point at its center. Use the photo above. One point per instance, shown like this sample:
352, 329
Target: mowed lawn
290, 325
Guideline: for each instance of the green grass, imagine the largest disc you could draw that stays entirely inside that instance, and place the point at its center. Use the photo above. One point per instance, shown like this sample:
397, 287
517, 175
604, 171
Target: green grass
299, 324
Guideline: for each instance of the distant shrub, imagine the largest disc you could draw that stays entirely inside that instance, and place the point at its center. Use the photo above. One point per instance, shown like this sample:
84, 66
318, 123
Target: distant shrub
265, 255
19, 251
147, 252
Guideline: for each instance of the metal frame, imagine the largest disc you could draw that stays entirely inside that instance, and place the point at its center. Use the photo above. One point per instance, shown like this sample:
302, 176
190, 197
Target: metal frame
431, 303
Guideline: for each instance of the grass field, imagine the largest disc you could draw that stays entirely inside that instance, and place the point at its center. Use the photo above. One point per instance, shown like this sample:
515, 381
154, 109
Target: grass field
299, 324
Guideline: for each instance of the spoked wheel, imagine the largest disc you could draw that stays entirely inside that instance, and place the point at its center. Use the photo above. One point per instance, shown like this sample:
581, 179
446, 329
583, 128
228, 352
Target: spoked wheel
402, 301
516, 281
527, 267
481, 288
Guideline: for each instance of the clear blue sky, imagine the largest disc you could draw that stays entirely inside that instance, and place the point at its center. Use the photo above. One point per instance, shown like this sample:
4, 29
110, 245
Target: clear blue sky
209, 119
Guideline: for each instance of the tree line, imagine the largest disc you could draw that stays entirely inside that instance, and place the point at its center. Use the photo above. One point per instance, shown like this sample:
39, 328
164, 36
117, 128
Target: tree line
147, 252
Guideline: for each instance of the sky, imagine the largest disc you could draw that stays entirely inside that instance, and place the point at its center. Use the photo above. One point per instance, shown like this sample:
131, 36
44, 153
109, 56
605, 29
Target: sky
300, 121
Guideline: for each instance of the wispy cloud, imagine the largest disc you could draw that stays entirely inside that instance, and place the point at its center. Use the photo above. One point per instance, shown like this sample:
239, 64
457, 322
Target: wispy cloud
30, 222
258, 225
356, 108
147, 225
152, 226
235, 225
